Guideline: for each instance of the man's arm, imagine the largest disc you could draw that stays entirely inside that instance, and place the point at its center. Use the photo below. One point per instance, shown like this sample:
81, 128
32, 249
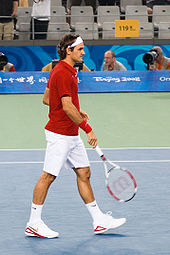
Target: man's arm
123, 68
71, 110
168, 66
76, 116
46, 97
15, 8
84, 115
47, 68
23, 3
85, 68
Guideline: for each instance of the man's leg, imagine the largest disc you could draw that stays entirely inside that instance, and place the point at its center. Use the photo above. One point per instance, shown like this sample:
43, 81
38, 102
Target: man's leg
102, 2
83, 183
101, 222
35, 226
41, 28
1, 30
8, 31
111, 2
41, 188
91, 3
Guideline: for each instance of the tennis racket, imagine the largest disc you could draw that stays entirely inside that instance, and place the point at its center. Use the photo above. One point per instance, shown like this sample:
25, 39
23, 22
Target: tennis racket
120, 182
36, 1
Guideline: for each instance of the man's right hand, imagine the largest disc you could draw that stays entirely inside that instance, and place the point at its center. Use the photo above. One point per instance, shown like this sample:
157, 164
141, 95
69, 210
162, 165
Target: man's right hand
152, 67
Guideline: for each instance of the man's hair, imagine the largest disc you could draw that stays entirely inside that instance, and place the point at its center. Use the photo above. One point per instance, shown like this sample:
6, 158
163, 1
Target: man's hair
66, 41
113, 54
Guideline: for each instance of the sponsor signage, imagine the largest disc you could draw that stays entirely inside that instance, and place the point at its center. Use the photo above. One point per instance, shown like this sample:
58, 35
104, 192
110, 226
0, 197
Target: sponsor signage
89, 82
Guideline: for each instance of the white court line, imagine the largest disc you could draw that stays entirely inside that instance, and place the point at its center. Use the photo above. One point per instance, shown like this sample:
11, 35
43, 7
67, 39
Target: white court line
20, 162
120, 148
22, 149
134, 148
92, 161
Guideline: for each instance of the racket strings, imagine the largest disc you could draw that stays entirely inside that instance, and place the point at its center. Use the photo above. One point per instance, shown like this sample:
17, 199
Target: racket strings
120, 185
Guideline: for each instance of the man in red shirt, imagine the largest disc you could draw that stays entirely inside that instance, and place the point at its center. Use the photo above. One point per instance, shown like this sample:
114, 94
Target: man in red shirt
64, 146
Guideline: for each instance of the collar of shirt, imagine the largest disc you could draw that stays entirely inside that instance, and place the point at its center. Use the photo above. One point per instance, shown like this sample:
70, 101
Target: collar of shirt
69, 67
111, 66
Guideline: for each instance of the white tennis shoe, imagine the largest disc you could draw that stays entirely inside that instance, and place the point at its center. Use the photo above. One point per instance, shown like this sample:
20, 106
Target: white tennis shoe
41, 230
107, 222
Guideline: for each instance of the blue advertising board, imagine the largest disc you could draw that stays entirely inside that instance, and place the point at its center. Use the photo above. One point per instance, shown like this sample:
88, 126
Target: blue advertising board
23, 82
89, 82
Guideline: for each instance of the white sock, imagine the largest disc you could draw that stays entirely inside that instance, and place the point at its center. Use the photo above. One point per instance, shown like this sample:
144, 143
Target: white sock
94, 210
36, 211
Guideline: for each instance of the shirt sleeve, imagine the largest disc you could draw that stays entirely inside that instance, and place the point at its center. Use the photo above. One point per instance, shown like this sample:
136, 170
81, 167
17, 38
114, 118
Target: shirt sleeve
12, 69
64, 84
61, 83
122, 67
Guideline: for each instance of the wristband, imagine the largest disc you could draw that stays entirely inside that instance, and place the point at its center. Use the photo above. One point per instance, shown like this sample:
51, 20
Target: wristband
85, 126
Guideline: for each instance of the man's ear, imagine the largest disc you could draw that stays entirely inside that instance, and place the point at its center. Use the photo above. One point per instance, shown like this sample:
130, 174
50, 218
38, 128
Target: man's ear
68, 50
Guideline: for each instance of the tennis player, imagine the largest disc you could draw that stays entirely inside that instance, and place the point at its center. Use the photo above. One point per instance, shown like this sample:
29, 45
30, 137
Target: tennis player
64, 146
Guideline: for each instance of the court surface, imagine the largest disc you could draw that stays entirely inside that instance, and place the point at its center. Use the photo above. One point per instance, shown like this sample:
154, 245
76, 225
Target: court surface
118, 119
147, 231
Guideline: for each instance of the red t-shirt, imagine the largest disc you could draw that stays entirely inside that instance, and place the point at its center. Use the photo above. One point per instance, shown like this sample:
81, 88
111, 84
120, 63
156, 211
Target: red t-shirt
62, 81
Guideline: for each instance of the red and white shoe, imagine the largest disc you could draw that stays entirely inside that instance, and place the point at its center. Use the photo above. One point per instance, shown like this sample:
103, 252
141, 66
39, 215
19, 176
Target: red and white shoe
107, 222
41, 230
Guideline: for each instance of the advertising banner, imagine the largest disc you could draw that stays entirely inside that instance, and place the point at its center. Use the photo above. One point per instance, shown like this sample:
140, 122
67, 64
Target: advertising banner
89, 82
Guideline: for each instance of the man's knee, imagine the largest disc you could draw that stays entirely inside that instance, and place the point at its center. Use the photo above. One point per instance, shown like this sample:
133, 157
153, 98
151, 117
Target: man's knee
47, 177
83, 173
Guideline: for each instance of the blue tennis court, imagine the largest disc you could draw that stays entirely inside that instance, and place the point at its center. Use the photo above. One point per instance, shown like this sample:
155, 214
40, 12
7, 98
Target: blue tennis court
146, 232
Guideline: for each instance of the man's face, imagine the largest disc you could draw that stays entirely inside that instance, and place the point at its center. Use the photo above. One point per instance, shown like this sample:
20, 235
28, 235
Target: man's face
108, 58
78, 53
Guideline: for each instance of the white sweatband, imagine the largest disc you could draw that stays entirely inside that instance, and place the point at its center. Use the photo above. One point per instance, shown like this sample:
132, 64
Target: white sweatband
77, 41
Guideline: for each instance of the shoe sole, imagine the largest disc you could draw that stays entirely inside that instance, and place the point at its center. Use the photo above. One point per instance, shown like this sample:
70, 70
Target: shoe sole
31, 233
106, 229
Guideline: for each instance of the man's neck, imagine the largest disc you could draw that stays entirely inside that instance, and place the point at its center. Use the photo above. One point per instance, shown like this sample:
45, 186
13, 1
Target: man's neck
69, 61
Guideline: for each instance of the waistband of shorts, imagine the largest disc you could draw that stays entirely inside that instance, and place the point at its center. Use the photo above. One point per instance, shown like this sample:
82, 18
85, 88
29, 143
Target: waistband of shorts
59, 135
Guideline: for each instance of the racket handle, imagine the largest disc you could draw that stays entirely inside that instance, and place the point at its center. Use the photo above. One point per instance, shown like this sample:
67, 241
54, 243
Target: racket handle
99, 151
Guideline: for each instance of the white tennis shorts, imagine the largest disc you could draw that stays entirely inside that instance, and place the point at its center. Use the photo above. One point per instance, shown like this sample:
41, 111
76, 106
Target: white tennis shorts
67, 151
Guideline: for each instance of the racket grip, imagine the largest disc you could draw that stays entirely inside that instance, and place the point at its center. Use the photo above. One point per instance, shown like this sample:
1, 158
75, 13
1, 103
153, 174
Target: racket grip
99, 151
